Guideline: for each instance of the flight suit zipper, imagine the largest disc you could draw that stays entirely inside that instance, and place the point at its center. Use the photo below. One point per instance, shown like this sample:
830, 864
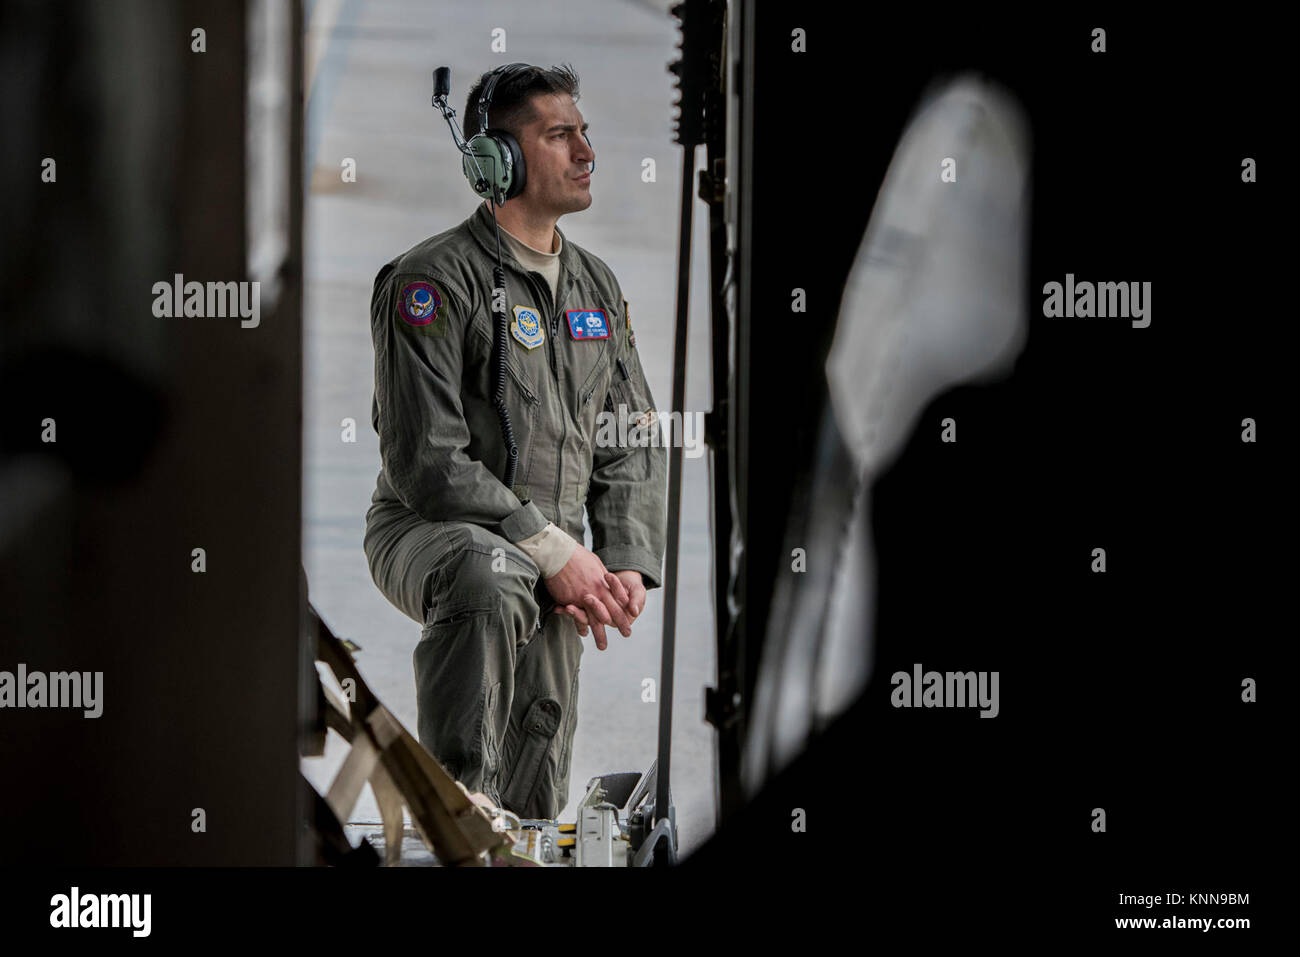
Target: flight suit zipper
555, 329
561, 291
541, 290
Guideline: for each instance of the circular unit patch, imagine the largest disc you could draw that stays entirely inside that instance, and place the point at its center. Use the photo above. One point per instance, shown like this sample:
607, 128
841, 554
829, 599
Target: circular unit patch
419, 303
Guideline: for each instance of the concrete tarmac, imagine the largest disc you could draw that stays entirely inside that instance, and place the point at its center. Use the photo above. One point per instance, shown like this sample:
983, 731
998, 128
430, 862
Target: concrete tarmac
369, 82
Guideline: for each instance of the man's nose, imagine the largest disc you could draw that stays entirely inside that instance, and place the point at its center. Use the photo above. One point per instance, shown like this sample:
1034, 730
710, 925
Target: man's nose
585, 153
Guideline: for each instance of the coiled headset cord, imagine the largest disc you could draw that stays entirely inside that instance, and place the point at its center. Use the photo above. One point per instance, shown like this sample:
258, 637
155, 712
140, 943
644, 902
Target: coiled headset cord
499, 361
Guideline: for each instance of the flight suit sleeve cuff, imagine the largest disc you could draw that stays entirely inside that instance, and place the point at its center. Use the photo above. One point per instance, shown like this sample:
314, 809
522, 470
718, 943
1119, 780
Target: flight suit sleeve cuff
550, 549
522, 523
619, 558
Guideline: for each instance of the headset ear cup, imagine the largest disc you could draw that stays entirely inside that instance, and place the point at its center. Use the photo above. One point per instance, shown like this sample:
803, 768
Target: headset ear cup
501, 160
519, 176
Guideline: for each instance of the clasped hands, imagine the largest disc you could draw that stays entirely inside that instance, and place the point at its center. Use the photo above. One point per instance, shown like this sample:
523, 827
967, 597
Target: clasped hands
595, 597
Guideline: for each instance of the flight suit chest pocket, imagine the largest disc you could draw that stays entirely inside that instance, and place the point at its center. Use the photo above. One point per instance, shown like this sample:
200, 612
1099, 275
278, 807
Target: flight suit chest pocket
587, 330
621, 392
592, 392
514, 363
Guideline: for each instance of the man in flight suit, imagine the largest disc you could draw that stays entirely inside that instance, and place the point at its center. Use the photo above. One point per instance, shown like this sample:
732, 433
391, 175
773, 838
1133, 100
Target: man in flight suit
498, 577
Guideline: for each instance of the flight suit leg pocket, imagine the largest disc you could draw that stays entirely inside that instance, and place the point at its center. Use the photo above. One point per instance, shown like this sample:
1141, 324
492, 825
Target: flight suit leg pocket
529, 791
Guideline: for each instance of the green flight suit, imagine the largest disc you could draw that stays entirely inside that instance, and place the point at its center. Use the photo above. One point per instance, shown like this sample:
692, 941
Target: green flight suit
496, 670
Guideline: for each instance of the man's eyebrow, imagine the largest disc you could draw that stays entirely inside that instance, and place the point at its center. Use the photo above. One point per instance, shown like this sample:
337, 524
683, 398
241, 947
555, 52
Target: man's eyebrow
567, 127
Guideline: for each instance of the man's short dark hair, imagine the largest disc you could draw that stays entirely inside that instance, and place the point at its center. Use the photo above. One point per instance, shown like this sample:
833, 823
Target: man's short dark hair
512, 107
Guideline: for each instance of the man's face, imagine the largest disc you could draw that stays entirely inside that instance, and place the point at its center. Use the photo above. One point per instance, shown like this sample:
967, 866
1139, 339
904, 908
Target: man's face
556, 156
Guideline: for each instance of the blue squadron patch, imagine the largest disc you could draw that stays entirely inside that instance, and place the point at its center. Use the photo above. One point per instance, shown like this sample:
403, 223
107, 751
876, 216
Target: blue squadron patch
418, 303
587, 323
526, 327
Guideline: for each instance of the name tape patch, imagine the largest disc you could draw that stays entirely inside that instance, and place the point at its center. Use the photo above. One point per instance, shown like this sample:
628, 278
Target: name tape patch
587, 323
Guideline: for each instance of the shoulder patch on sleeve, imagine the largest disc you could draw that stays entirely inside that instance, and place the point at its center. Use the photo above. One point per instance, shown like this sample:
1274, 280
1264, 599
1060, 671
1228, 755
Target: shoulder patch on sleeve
421, 307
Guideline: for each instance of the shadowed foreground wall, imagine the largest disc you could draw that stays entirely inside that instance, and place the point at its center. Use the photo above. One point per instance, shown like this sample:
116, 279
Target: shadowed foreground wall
171, 434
